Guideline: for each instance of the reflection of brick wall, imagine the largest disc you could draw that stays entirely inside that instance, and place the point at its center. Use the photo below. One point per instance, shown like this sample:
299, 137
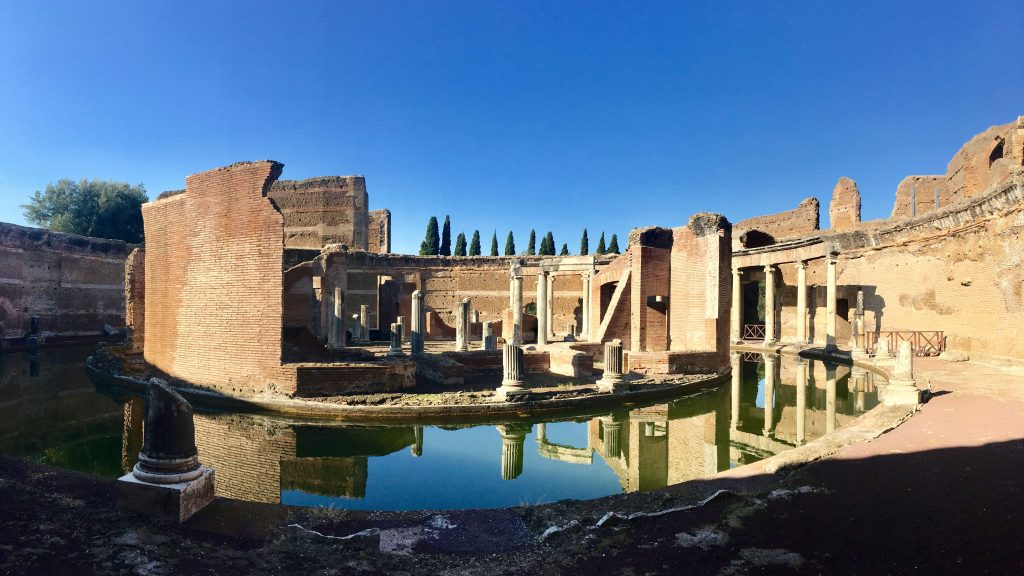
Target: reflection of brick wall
75, 284
246, 454
214, 278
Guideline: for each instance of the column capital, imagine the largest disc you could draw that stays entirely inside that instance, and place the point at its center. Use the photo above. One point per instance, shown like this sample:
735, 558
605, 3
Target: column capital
801, 264
769, 268
736, 271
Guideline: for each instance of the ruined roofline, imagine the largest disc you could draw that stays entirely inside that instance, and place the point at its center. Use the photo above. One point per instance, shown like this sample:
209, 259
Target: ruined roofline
50, 240
318, 182
275, 173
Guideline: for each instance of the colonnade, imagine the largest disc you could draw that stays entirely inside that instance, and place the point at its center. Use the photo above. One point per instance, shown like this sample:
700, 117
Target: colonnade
545, 304
771, 329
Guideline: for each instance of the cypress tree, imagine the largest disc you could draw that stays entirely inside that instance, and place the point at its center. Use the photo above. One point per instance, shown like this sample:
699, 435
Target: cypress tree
431, 244
494, 243
510, 245
600, 245
565, 250
613, 246
548, 245
531, 246
584, 244
446, 238
460, 245
474, 244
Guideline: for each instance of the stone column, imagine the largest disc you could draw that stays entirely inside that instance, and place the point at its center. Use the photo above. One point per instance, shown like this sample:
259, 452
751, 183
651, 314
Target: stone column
513, 437
585, 312
417, 444
801, 400
517, 304
611, 380
860, 338
736, 313
418, 323
612, 433
883, 353
364, 321
542, 308
462, 326
736, 361
902, 388
513, 362
542, 433
551, 305
337, 321
396, 340
830, 397
405, 330
771, 366
830, 305
801, 302
769, 305
488, 341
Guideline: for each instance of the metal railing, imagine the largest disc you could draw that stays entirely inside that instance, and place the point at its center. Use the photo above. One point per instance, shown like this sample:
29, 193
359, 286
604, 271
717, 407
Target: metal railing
922, 342
753, 332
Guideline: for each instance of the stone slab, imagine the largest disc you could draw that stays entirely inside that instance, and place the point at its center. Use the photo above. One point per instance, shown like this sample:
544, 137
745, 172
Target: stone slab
177, 502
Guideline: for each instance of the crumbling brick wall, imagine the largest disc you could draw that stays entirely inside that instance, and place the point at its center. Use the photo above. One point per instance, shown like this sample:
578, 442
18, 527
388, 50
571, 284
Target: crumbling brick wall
323, 210
701, 285
214, 278
844, 209
380, 231
804, 219
75, 284
917, 195
135, 297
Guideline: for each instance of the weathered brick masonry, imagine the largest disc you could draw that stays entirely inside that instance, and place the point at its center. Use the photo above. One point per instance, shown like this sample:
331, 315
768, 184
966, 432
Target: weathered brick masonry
75, 284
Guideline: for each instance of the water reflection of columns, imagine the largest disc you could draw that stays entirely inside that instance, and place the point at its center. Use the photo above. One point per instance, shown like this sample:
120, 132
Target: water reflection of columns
858, 387
132, 433
513, 436
612, 426
771, 365
736, 360
801, 400
830, 397
417, 444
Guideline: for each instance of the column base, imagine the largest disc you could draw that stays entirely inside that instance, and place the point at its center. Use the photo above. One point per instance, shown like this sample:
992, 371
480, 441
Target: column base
511, 392
611, 385
902, 393
177, 502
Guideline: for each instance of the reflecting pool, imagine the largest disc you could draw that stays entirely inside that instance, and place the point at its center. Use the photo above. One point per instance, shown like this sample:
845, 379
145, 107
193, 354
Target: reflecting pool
52, 413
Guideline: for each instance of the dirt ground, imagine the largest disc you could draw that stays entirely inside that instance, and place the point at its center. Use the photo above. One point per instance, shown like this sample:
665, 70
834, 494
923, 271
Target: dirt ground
941, 494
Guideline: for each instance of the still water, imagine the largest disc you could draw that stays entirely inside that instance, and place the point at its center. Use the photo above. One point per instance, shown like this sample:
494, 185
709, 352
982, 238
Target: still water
52, 413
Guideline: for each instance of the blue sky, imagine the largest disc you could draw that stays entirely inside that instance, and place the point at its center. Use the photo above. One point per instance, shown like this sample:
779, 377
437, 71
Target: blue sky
509, 115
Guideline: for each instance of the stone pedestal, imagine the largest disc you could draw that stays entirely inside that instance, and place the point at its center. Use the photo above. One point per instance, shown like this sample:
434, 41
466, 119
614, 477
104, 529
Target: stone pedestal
396, 340
513, 363
490, 342
611, 380
168, 480
418, 323
902, 388
570, 332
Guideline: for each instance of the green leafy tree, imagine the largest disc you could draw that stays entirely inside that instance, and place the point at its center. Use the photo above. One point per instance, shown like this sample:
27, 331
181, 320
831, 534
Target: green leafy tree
446, 238
584, 244
432, 243
531, 246
510, 245
494, 243
565, 250
600, 245
460, 245
474, 244
613, 246
98, 208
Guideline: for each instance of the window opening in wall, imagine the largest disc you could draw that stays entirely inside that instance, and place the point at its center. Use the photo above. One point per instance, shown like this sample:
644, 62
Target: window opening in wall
996, 154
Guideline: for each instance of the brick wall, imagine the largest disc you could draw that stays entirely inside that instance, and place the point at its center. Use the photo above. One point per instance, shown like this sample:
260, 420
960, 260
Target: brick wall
75, 284
135, 297
380, 231
214, 278
323, 210
844, 209
792, 223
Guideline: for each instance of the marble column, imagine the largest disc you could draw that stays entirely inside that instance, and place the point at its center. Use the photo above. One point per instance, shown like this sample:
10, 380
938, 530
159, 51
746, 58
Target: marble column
542, 308
830, 396
585, 312
551, 305
462, 325
611, 380
405, 330
860, 338
416, 336
488, 341
830, 305
516, 274
513, 437
396, 340
736, 361
364, 321
902, 388
736, 312
771, 365
801, 399
417, 444
883, 352
337, 323
801, 302
769, 305
513, 363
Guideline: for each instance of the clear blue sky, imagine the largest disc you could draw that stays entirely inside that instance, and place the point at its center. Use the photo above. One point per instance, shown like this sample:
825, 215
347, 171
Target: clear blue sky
553, 115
